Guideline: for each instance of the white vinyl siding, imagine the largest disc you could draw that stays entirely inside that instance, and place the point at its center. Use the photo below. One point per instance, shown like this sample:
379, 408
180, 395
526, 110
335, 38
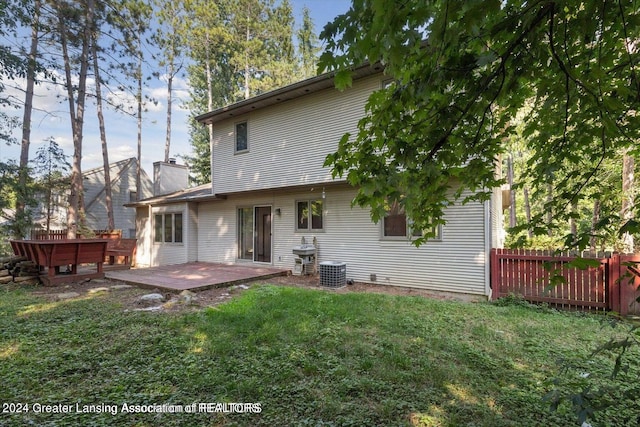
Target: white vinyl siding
289, 141
454, 264
144, 234
191, 233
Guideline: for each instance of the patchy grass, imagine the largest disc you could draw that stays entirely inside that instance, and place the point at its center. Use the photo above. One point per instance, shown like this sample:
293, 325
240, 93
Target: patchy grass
308, 357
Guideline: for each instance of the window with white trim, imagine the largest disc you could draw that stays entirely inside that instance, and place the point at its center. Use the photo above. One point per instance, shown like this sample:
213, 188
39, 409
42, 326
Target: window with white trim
167, 228
309, 215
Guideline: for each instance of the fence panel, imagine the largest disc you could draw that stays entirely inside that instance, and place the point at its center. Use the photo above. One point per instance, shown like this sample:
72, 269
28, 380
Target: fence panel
48, 235
529, 273
38, 234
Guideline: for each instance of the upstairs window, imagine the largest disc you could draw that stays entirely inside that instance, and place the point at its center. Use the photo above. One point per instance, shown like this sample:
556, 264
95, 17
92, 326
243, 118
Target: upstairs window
309, 215
242, 141
167, 228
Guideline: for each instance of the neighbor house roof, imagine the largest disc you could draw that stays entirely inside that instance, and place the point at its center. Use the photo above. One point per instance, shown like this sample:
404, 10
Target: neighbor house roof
116, 171
292, 91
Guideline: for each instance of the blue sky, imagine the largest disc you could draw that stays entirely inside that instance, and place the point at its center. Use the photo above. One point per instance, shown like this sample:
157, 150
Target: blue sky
51, 117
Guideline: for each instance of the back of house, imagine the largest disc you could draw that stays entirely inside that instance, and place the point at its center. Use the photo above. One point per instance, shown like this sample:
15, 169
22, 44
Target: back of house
270, 192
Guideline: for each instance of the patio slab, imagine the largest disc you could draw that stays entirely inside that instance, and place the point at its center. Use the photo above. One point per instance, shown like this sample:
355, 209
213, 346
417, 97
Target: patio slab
193, 276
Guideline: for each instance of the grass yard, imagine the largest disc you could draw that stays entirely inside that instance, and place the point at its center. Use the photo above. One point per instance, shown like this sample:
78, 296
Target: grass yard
308, 357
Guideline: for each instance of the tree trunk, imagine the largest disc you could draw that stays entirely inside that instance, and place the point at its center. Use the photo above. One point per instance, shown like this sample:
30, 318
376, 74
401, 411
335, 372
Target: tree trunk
247, 92
626, 212
527, 212
48, 201
594, 220
103, 138
210, 108
139, 101
19, 232
72, 210
75, 216
167, 143
573, 223
512, 193
549, 213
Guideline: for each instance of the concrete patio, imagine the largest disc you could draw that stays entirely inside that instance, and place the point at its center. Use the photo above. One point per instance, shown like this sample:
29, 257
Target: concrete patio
193, 276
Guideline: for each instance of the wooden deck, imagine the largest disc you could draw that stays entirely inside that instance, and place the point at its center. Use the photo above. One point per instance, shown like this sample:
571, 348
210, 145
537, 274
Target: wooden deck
52, 255
194, 276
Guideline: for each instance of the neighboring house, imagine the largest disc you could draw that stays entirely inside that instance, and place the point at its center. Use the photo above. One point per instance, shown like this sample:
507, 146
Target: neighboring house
270, 190
123, 190
55, 212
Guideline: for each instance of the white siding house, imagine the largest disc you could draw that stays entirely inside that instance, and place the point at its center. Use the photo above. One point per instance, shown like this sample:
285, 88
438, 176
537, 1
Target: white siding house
270, 190
123, 190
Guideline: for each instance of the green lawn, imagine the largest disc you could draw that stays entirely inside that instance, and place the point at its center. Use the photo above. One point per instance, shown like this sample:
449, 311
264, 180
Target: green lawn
309, 358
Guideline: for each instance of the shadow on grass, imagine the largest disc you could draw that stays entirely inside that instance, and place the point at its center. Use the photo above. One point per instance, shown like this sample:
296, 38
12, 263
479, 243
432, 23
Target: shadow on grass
308, 357
316, 358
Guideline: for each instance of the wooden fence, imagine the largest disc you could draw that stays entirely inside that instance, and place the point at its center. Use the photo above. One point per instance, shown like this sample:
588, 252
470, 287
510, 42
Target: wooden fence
48, 235
612, 285
38, 234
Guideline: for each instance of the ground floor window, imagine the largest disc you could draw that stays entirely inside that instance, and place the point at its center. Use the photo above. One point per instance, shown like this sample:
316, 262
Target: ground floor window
309, 215
396, 225
168, 228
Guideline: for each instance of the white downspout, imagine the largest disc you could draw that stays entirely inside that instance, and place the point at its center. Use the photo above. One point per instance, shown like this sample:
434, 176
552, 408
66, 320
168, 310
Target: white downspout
487, 248
150, 234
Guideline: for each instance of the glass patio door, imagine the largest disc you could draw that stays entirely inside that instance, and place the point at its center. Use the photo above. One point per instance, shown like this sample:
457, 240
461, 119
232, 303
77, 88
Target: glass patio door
254, 233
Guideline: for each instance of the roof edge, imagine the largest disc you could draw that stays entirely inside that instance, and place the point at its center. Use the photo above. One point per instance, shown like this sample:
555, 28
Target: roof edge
285, 93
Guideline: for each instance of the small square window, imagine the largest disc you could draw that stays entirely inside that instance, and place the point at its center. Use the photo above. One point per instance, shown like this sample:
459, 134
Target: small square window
242, 142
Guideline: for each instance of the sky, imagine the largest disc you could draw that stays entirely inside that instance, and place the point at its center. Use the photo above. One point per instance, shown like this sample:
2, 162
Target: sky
51, 117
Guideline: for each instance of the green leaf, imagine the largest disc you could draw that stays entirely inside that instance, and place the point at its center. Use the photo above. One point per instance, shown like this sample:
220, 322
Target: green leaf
583, 263
343, 79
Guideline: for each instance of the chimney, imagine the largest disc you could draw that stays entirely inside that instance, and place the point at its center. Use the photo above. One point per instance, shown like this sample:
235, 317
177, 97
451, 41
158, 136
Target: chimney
169, 177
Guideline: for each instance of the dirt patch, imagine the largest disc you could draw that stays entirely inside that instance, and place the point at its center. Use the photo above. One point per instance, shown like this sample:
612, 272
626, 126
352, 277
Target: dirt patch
130, 296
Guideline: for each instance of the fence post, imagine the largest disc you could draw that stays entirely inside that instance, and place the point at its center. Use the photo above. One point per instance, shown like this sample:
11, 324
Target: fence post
613, 282
628, 288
